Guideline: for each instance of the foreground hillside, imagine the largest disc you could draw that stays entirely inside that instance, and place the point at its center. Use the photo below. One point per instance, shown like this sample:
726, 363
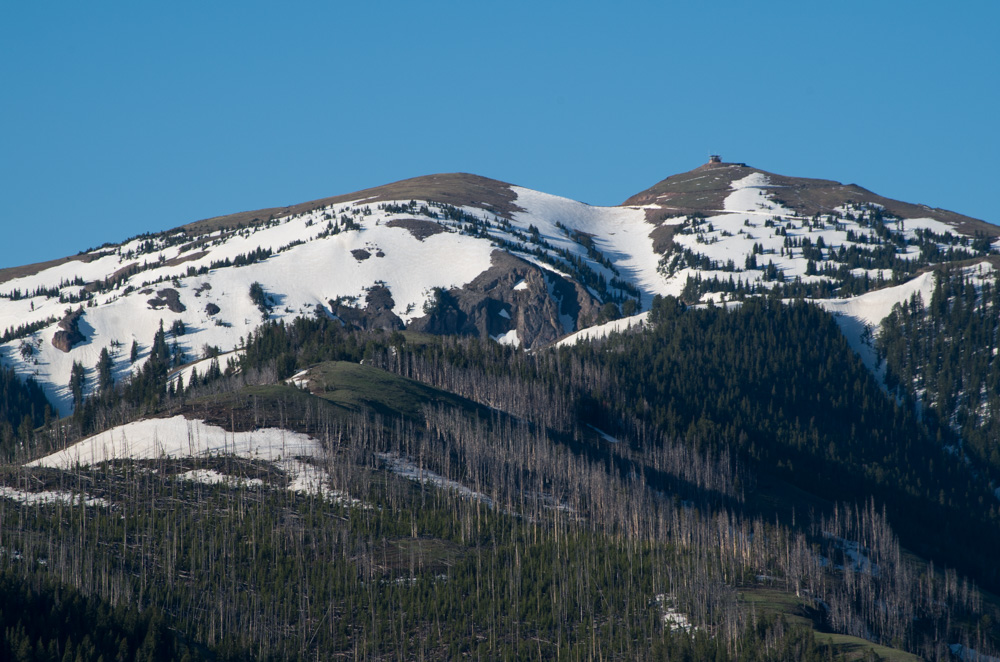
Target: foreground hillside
397, 495
318, 432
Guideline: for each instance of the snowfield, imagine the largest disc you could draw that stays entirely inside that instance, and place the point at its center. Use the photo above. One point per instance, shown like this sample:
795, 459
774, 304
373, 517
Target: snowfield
294, 453
621, 233
860, 317
603, 330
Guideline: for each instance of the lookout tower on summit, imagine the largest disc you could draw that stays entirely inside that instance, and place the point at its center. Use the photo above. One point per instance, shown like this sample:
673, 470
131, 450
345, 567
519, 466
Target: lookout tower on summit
714, 158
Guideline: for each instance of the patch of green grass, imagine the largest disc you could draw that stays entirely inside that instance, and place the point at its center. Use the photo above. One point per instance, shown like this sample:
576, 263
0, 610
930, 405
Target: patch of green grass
419, 338
772, 602
854, 648
253, 407
355, 386
334, 388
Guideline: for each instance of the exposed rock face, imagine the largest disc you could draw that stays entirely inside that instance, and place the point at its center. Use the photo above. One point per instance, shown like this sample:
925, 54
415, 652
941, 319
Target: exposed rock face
512, 294
419, 228
212, 309
168, 297
69, 334
377, 313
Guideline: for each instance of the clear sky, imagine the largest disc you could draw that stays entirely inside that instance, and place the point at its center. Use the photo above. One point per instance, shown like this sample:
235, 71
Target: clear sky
126, 117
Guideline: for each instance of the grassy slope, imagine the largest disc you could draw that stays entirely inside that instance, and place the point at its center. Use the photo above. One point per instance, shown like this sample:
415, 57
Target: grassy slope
353, 386
772, 602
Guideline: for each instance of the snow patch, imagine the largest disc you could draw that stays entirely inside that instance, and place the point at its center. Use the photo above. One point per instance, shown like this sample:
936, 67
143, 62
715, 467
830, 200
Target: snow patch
603, 330
213, 477
604, 435
299, 379
177, 437
509, 338
859, 317
50, 496
673, 619
401, 466
620, 233
749, 194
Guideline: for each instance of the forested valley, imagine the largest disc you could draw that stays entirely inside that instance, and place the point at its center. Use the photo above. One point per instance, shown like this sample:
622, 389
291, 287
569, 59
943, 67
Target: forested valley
728, 484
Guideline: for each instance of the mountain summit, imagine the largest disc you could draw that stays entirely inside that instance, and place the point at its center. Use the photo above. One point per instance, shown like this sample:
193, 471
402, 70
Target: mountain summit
704, 190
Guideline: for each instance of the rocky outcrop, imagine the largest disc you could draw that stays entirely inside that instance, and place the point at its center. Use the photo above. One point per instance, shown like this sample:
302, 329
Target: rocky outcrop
168, 297
513, 294
419, 228
377, 313
69, 333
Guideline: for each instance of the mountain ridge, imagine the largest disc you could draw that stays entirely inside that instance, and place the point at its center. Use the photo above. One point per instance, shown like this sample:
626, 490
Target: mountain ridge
467, 254
458, 187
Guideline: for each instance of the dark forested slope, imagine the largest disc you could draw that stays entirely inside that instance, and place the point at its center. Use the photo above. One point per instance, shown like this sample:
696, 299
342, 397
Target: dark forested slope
727, 484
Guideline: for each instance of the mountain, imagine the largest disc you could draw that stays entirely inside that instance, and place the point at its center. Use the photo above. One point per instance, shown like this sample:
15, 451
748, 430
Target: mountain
741, 415
522, 267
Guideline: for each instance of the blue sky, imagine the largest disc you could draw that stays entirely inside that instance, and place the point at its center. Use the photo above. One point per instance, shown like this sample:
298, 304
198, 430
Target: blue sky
121, 118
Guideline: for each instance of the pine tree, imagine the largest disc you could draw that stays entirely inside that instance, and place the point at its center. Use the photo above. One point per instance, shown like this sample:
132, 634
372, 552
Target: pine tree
77, 382
105, 378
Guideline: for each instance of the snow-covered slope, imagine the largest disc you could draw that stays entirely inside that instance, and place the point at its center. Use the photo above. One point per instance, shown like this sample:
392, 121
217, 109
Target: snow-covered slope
177, 438
196, 281
603, 330
620, 233
859, 317
303, 262
757, 241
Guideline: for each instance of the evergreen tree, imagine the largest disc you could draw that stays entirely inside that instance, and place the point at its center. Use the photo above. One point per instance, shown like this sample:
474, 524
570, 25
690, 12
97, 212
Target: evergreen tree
105, 366
77, 382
